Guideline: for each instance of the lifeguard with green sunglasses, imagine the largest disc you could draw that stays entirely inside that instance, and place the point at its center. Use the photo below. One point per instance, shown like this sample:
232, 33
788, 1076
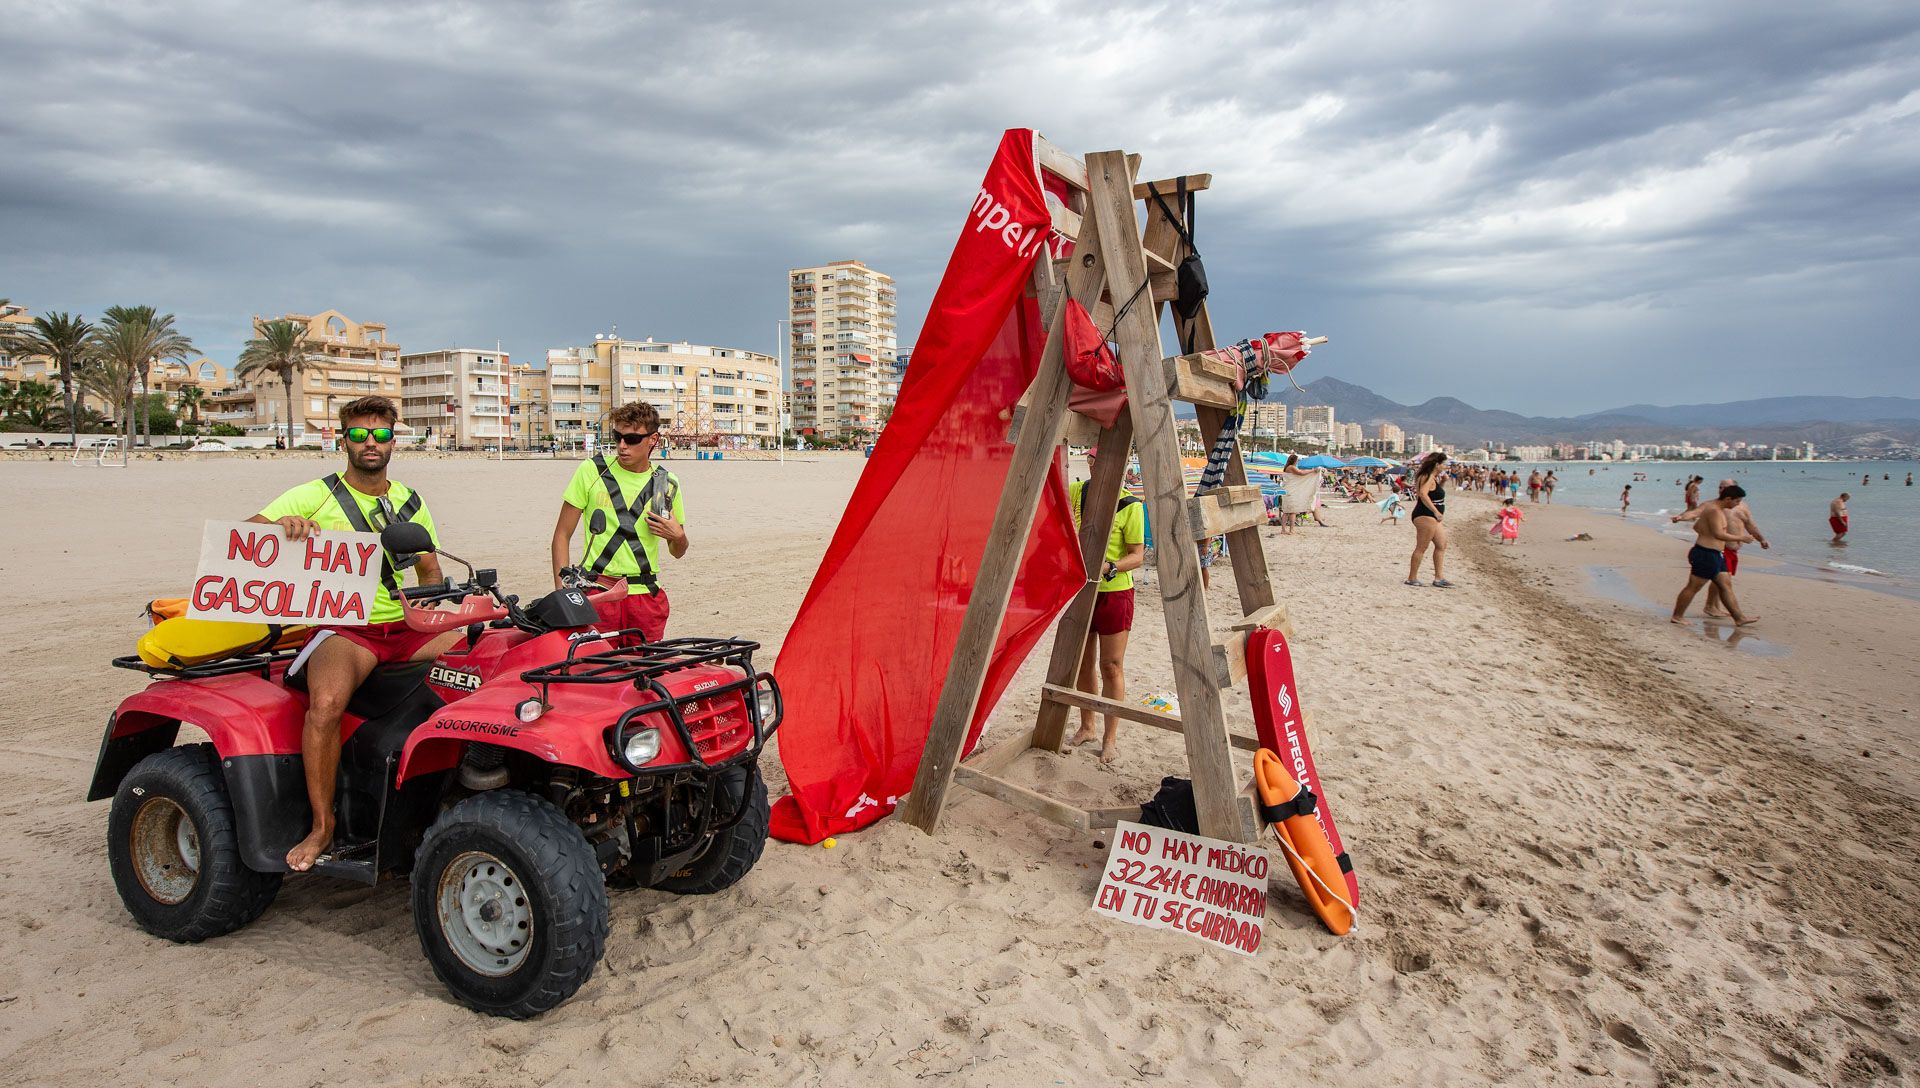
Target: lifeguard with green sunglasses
360, 499
642, 509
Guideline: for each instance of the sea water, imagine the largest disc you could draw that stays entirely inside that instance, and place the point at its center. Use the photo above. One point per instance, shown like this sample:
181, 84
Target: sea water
1789, 502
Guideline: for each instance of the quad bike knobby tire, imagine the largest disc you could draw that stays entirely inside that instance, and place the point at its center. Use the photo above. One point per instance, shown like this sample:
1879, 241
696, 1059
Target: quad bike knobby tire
731, 853
509, 904
175, 853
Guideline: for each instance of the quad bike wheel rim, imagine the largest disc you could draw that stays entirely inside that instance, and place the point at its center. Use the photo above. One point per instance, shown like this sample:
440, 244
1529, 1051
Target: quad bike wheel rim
484, 913
165, 848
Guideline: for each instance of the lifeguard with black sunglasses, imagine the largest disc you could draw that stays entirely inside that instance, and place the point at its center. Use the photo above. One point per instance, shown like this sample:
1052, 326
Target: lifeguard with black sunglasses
361, 499
643, 508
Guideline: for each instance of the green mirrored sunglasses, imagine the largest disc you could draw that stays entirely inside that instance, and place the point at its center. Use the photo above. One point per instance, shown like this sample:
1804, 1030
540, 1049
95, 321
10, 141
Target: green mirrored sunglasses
360, 434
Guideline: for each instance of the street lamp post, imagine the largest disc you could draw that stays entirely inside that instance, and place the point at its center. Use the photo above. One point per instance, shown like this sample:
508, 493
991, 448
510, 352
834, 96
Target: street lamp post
780, 393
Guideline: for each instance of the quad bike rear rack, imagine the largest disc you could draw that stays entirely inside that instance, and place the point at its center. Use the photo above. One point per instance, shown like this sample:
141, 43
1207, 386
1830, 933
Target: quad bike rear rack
261, 663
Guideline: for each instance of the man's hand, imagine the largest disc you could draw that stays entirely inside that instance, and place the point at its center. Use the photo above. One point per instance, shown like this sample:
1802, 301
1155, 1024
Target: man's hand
1764, 545
297, 527
666, 529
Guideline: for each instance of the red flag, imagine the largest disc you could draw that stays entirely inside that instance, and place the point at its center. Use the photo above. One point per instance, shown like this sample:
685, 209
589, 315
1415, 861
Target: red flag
862, 667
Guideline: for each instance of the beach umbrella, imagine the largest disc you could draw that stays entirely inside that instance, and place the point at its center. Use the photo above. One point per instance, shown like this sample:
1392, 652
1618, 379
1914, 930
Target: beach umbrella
1369, 462
1321, 460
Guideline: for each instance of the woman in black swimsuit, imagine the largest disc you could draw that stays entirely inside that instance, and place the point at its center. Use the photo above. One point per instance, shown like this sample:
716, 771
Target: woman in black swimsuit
1429, 512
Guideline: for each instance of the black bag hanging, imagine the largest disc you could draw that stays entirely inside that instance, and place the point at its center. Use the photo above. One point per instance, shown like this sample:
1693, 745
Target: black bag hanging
1190, 277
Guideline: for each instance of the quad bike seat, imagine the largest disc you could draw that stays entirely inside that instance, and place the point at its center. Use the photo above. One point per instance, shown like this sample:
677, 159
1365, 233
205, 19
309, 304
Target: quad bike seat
384, 689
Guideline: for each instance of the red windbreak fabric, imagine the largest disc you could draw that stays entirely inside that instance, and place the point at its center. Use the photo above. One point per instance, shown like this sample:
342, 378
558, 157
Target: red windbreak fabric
862, 667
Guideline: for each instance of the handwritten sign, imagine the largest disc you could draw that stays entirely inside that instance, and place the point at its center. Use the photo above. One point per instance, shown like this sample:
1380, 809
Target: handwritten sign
1213, 890
252, 573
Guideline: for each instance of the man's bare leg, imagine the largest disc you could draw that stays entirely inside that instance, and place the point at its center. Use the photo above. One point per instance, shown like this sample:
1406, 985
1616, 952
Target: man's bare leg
1085, 683
1725, 584
333, 672
1686, 598
1113, 685
1716, 604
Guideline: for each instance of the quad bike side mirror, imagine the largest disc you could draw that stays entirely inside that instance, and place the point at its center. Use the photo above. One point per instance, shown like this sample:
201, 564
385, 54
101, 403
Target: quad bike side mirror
406, 538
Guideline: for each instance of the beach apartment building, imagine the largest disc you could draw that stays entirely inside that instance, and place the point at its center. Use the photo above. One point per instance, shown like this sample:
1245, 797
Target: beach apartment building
706, 394
1390, 436
350, 359
1315, 422
458, 398
842, 332
1266, 419
14, 369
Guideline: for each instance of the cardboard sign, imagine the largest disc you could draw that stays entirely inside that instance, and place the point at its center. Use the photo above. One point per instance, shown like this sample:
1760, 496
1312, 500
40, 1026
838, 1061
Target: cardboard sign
1214, 890
252, 573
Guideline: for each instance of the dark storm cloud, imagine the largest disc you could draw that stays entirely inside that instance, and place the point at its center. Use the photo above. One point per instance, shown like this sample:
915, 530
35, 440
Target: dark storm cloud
1542, 207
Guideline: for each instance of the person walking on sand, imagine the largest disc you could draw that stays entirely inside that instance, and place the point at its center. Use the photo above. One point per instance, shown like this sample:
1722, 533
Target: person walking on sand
1713, 530
1506, 525
1837, 518
1429, 510
1112, 611
1743, 520
1626, 498
1547, 485
1533, 486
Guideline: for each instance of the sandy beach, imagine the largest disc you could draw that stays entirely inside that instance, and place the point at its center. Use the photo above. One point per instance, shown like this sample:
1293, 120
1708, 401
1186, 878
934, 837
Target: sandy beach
1595, 847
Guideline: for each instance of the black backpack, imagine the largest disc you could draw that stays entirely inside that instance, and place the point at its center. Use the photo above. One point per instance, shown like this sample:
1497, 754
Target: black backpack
1191, 276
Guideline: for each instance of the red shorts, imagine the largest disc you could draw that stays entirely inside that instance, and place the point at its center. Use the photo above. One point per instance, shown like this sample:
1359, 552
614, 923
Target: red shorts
1839, 525
390, 643
1733, 559
648, 612
1113, 612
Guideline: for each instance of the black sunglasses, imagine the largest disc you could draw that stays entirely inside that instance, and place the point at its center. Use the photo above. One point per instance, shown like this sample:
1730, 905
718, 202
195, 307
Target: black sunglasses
634, 438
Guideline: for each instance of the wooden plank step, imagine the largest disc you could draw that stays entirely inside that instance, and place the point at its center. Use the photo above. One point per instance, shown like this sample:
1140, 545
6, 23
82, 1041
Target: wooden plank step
1050, 158
1076, 430
1274, 615
1224, 510
998, 756
1170, 188
1169, 722
1198, 381
1022, 798
1065, 220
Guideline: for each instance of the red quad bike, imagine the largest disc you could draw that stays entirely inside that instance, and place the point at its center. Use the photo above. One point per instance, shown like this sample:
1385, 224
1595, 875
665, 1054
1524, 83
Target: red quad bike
513, 780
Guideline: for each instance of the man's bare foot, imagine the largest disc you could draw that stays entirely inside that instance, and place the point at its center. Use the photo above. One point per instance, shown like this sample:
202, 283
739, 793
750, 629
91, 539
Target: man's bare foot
1712, 614
309, 849
1681, 620
1084, 736
1748, 622
1109, 752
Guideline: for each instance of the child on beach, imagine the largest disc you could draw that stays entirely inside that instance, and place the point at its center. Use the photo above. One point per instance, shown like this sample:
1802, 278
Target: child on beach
1506, 525
1626, 494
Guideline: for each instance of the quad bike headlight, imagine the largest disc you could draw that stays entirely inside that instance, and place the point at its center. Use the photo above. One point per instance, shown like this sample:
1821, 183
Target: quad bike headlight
769, 706
642, 745
529, 710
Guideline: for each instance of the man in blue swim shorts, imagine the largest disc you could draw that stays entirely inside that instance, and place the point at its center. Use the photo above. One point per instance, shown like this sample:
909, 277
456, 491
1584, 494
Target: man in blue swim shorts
1715, 529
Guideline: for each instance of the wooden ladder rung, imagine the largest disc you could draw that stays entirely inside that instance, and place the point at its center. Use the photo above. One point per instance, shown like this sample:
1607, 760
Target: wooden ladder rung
1069, 168
1169, 722
1065, 220
1021, 797
1170, 188
1274, 616
1225, 510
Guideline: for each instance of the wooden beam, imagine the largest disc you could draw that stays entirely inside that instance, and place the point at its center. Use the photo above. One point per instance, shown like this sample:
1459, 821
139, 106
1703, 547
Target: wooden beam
1222, 813
1186, 380
1075, 430
1101, 494
1050, 158
1021, 797
1274, 615
1065, 220
1133, 712
1099, 819
1001, 754
1225, 510
1170, 187
1006, 541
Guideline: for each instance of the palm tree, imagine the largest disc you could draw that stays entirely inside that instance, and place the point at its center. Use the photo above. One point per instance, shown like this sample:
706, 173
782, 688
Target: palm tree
188, 401
30, 403
281, 349
163, 341
62, 339
128, 343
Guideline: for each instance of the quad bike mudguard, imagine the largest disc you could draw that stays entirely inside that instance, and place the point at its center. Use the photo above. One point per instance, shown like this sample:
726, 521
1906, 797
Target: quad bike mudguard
243, 714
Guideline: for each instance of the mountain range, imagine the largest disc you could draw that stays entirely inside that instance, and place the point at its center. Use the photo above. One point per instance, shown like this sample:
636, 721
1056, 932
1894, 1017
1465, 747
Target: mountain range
1868, 426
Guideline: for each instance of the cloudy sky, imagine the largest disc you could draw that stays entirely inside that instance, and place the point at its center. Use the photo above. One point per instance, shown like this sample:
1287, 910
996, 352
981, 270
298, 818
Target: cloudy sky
1547, 207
